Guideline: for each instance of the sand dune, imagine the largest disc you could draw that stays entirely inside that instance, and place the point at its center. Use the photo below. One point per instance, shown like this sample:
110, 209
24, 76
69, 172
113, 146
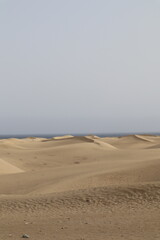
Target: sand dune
154, 146
144, 138
82, 187
7, 168
63, 137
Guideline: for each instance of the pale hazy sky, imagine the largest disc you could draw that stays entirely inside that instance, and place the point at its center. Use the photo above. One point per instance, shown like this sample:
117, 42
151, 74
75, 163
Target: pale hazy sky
77, 66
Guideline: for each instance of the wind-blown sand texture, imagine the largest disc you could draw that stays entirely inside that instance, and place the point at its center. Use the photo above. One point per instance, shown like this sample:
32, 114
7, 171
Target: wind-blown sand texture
80, 188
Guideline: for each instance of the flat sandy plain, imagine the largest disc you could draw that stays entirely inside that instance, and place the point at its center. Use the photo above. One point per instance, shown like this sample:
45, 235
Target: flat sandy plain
80, 188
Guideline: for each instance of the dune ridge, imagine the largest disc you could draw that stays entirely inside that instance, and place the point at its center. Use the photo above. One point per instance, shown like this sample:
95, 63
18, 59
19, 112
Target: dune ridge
7, 168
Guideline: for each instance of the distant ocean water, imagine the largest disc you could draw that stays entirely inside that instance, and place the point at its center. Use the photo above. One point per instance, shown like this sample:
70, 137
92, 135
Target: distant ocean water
20, 136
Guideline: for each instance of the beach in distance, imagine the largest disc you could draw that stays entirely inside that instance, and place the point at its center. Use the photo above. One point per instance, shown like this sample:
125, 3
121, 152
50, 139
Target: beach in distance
80, 188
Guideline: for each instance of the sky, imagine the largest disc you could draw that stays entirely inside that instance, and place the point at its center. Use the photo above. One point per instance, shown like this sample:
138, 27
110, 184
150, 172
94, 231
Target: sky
79, 66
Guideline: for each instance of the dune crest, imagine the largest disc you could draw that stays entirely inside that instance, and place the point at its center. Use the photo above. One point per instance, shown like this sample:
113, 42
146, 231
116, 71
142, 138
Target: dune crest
62, 137
144, 138
7, 168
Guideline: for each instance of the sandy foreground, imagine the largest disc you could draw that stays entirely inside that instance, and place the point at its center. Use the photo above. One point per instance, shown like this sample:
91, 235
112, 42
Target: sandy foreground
80, 188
